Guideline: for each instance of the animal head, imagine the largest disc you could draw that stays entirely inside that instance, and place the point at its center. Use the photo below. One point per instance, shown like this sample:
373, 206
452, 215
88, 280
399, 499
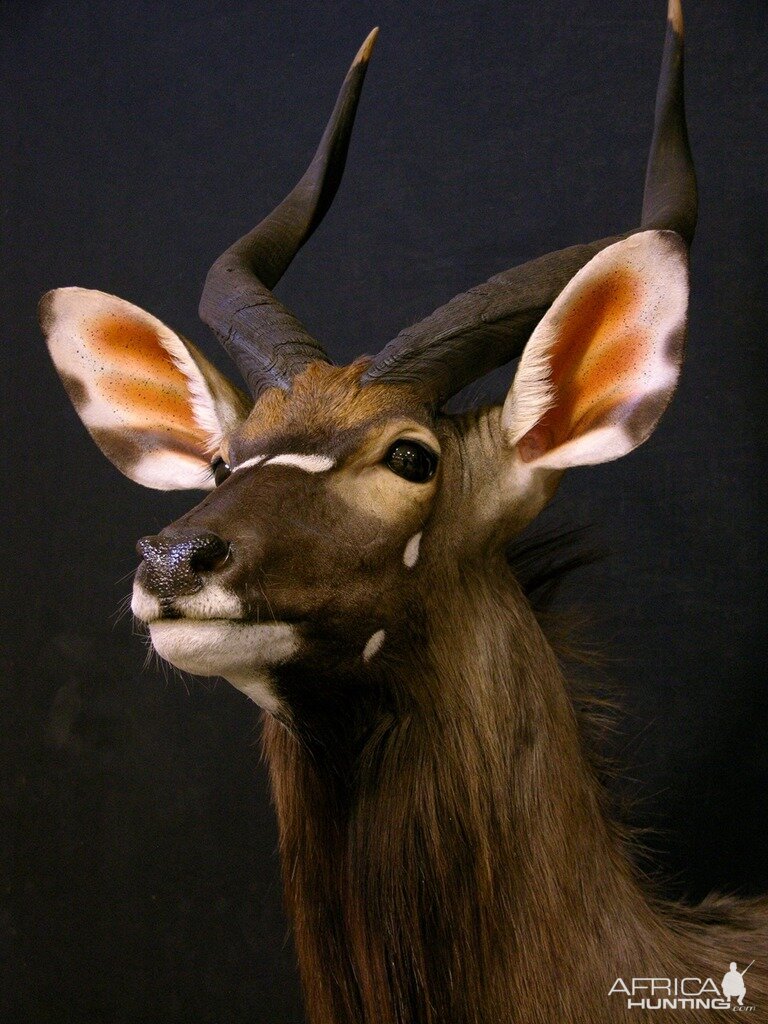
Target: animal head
337, 495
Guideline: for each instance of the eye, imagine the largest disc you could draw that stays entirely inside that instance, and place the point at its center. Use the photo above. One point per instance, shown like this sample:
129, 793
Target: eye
220, 470
412, 461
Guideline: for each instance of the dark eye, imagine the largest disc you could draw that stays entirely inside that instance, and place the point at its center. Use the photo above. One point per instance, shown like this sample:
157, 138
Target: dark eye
412, 461
220, 470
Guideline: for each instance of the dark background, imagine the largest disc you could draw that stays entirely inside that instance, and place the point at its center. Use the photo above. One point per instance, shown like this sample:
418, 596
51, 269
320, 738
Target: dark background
140, 881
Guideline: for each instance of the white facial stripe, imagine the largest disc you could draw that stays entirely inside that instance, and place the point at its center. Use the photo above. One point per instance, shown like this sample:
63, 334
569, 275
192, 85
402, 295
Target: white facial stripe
309, 463
411, 552
374, 644
249, 462
240, 652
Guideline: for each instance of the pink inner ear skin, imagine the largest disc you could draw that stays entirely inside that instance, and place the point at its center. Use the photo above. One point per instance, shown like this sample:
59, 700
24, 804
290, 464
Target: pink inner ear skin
129, 346
597, 362
148, 398
139, 378
145, 401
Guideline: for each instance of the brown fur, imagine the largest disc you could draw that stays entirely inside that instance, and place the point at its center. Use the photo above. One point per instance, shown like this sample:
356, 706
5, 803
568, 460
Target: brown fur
445, 847
324, 402
446, 852
454, 862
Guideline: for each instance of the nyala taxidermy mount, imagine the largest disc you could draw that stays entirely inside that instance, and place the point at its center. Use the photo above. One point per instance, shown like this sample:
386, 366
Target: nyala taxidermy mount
446, 853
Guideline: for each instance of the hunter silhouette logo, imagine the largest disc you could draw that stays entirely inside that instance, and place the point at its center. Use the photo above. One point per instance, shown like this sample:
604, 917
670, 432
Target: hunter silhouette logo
733, 984
685, 993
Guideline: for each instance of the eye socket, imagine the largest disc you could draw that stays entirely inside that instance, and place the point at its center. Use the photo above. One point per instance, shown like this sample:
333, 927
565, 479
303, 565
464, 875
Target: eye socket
220, 470
412, 461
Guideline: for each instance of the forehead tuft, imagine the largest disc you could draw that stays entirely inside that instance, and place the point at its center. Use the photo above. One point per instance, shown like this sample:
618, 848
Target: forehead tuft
325, 401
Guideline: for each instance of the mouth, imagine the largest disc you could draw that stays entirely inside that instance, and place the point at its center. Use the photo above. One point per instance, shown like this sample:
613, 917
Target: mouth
207, 634
171, 615
236, 649
210, 604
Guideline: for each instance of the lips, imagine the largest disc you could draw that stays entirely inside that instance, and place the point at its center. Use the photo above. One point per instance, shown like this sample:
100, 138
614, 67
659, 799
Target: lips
234, 648
211, 603
172, 615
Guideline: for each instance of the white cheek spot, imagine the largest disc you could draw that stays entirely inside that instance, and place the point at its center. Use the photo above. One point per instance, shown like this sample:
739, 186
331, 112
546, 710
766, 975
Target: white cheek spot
411, 553
374, 644
249, 462
309, 463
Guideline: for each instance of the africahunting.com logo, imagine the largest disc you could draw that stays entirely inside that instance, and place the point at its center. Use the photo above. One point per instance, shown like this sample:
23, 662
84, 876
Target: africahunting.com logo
686, 993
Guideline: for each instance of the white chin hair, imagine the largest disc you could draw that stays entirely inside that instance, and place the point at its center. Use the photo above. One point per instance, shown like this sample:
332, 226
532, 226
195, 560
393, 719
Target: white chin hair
241, 652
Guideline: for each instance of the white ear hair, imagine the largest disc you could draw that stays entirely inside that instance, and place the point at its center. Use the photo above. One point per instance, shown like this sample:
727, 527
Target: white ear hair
151, 401
603, 363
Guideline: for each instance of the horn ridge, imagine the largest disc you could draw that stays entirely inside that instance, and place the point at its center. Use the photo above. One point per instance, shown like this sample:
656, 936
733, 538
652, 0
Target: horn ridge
470, 335
489, 325
670, 198
266, 341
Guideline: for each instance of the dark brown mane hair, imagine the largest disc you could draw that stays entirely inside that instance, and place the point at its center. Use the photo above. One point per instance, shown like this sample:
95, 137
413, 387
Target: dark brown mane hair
465, 838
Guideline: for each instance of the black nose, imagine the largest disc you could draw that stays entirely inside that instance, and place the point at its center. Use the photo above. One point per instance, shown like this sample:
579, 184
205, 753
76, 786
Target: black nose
175, 563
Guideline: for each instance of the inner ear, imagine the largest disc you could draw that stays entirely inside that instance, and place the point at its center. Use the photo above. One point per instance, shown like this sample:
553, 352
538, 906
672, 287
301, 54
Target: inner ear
603, 363
150, 400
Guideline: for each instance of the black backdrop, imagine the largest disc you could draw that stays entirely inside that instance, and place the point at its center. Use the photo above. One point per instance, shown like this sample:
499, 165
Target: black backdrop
140, 878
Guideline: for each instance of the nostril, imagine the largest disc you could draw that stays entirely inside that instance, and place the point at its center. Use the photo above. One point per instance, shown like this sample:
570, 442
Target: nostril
210, 552
176, 561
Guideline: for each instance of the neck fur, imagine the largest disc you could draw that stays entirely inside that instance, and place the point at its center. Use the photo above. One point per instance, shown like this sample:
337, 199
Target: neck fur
455, 859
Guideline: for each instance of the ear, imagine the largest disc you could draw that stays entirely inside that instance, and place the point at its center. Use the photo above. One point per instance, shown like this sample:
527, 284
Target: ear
601, 367
153, 404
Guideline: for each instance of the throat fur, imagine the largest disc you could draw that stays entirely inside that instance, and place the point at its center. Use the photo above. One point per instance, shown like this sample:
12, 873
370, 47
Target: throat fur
460, 867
